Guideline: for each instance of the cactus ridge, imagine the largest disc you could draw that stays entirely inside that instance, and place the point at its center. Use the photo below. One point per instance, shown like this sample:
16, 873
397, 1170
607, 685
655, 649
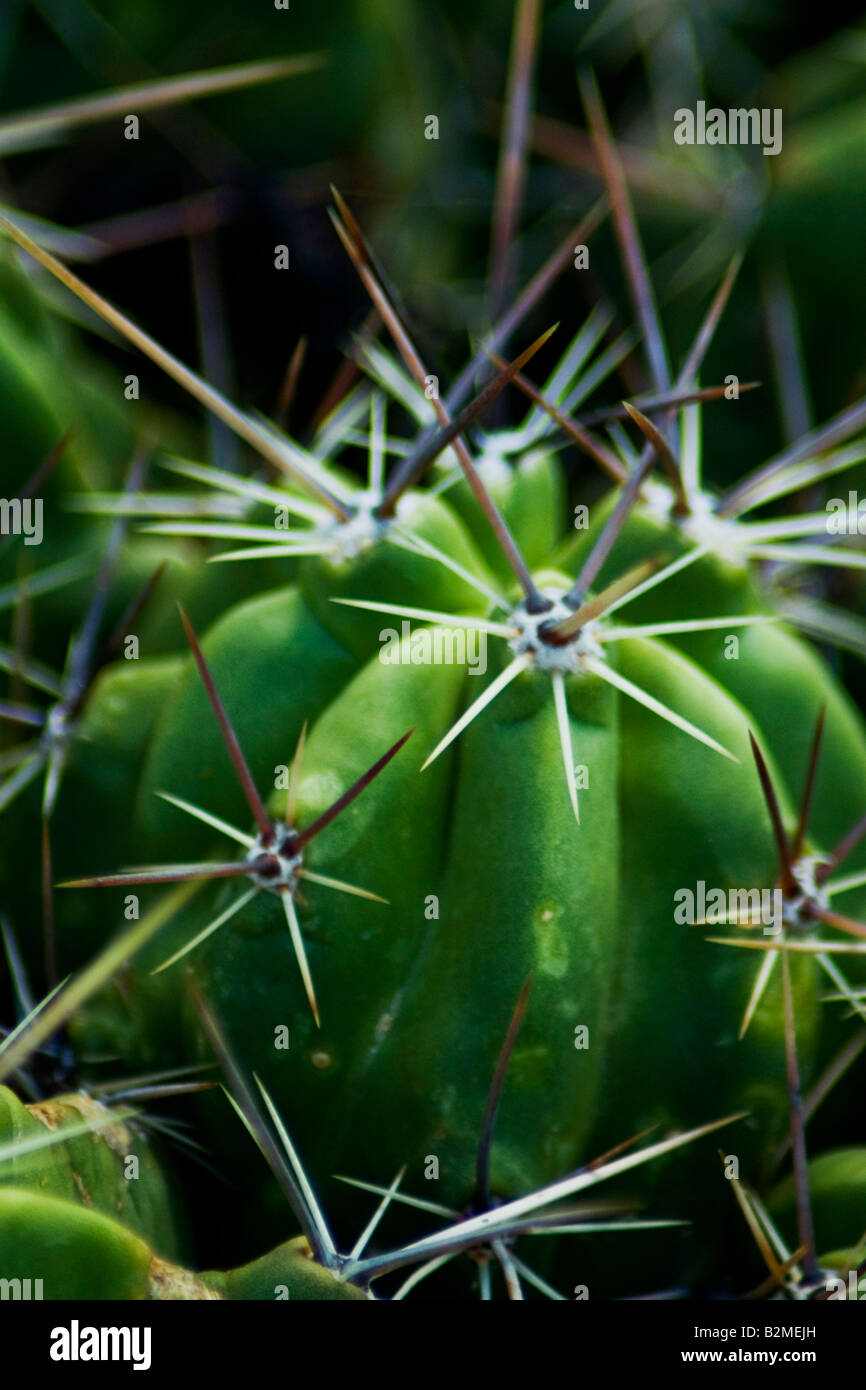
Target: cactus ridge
273, 861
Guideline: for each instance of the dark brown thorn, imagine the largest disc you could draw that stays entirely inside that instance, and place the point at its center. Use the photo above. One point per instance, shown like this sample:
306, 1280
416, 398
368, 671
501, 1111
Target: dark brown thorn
352, 225
612, 527
525, 303
617, 1149
170, 1074
841, 922
193, 214
133, 610
289, 388
254, 801
706, 332
389, 289
535, 601
845, 847
181, 873
819, 441
81, 672
626, 231
666, 457
246, 1102
43, 472
808, 787
49, 944
304, 837
491, 1110
353, 243
347, 373
653, 405
414, 467
788, 882
48, 464
560, 634
805, 1227
824, 1085
590, 445
511, 174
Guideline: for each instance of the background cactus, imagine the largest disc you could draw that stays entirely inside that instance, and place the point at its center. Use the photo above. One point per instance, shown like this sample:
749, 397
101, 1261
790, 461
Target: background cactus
447, 982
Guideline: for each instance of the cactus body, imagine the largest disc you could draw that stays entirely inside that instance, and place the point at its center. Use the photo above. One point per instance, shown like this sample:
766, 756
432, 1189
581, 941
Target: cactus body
110, 1167
583, 903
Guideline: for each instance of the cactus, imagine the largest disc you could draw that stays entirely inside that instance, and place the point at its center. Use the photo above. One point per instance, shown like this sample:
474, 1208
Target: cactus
455, 957
92, 1159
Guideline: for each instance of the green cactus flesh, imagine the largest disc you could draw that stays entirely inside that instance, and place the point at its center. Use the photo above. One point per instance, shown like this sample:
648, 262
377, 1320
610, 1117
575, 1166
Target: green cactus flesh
589, 921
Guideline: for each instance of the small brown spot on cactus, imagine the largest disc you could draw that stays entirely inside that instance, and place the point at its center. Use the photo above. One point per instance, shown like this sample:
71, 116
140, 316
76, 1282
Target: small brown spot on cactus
47, 1112
170, 1283
321, 1060
83, 1193
384, 1025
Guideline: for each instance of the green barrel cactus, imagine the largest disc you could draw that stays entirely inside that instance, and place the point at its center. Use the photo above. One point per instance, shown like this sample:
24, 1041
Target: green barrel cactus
435, 750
